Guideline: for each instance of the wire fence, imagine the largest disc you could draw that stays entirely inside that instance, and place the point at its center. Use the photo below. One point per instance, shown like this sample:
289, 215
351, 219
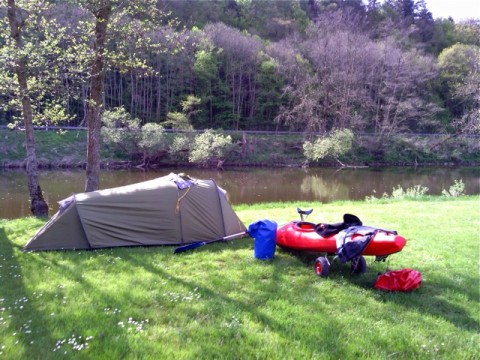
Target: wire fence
253, 132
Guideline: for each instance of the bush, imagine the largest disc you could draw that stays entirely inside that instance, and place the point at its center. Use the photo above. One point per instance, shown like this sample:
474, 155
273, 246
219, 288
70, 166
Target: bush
398, 193
456, 190
338, 143
124, 133
209, 146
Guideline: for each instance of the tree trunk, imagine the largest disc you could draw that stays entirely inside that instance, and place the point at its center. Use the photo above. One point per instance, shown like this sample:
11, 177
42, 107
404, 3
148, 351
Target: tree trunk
38, 205
95, 103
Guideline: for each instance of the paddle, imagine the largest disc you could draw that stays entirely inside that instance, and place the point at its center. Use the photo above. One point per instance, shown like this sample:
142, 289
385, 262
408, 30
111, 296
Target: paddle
201, 243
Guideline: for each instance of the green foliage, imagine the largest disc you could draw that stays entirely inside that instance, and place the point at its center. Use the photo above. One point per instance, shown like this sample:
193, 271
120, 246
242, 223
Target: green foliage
152, 139
206, 65
47, 65
120, 130
258, 149
444, 36
457, 62
180, 146
334, 145
398, 193
183, 120
178, 121
125, 133
269, 93
209, 85
455, 190
414, 192
468, 31
243, 62
209, 146
190, 105
274, 20
459, 67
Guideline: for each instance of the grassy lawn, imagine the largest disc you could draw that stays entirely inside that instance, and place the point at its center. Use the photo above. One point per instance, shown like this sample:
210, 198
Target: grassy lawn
219, 302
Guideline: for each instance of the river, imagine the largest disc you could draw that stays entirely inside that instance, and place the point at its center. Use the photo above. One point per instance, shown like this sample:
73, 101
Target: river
247, 185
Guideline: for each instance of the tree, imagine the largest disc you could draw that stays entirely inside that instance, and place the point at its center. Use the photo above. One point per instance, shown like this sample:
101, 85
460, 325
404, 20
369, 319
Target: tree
268, 94
146, 143
398, 100
18, 18
444, 35
113, 21
209, 146
334, 145
269, 19
325, 74
459, 67
238, 55
424, 23
206, 76
338, 77
102, 12
300, 109
183, 120
468, 32
44, 40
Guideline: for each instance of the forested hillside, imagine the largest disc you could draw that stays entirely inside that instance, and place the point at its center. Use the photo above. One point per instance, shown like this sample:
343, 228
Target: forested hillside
309, 65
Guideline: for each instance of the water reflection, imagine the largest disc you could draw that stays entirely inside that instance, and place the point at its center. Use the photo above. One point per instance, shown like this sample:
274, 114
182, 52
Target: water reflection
324, 188
247, 186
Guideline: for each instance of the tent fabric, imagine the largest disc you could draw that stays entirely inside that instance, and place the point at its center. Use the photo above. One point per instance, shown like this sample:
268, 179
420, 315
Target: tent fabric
162, 211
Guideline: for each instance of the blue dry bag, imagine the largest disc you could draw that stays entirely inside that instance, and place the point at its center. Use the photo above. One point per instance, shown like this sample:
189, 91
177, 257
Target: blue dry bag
264, 232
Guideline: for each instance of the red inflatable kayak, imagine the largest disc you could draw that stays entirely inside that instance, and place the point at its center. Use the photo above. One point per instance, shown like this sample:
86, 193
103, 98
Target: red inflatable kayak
303, 236
347, 241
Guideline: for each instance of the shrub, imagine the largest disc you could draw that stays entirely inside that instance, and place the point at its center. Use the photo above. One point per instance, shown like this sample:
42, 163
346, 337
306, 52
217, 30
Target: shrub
456, 190
124, 133
338, 143
398, 193
209, 146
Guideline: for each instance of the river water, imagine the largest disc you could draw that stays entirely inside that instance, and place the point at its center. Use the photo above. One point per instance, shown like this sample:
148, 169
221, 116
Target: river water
246, 185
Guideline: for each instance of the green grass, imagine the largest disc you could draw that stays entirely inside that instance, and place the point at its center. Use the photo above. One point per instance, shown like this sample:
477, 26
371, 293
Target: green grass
53, 148
219, 302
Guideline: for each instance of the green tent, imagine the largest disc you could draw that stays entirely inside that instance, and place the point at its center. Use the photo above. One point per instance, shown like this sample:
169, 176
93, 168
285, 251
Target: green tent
170, 210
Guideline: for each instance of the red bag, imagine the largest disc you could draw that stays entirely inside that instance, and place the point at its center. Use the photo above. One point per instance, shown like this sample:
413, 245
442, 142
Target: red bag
399, 280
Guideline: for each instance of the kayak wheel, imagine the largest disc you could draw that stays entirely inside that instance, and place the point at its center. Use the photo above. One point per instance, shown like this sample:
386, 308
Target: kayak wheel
322, 266
359, 265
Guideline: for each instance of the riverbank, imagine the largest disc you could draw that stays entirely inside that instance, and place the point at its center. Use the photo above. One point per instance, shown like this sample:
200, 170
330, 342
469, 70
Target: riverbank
146, 302
66, 149
247, 185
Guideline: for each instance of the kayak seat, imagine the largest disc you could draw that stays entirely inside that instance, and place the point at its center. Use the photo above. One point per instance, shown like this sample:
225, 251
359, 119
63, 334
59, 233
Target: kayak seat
305, 225
304, 212
326, 230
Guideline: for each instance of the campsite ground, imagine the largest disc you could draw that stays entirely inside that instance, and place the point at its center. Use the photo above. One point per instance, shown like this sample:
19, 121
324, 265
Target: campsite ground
218, 301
